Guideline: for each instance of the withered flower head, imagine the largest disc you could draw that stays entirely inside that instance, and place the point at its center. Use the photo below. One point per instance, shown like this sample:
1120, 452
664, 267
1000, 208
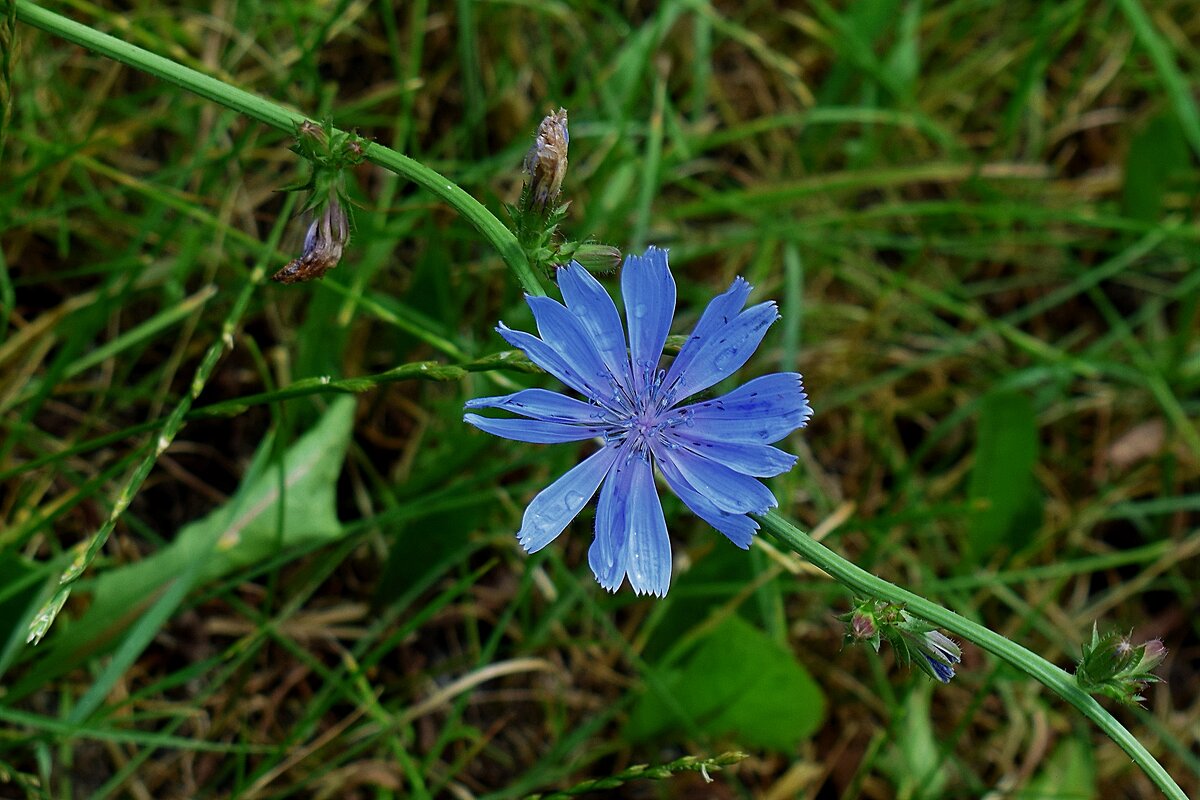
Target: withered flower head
323, 245
546, 162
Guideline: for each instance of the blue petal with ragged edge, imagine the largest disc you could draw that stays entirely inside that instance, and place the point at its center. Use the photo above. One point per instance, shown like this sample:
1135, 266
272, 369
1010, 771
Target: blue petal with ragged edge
728, 490
607, 553
720, 311
738, 528
546, 405
596, 312
723, 352
559, 503
548, 359
763, 410
759, 460
649, 293
560, 329
648, 560
535, 430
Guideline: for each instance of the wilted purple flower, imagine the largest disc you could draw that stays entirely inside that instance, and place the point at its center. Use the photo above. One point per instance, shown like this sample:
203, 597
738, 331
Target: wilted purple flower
709, 452
323, 246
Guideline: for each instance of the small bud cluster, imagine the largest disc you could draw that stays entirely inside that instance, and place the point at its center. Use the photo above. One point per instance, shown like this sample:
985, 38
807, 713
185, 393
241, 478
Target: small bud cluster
1115, 667
915, 641
331, 153
539, 212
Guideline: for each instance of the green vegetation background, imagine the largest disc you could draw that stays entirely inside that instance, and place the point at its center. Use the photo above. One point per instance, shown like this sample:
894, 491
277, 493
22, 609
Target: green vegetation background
979, 219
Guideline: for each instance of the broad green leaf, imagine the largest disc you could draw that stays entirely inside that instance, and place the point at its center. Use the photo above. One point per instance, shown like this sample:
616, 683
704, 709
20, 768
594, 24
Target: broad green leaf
1069, 774
301, 486
739, 683
1002, 486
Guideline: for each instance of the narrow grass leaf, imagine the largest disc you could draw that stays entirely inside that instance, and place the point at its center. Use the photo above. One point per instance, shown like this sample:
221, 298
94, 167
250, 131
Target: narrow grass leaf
1176, 85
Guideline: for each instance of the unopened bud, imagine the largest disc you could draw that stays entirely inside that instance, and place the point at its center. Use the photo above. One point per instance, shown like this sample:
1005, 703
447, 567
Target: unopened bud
1114, 666
597, 257
311, 130
862, 626
1153, 654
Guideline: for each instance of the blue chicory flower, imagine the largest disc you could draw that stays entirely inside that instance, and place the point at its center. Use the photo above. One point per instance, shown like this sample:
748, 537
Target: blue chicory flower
710, 452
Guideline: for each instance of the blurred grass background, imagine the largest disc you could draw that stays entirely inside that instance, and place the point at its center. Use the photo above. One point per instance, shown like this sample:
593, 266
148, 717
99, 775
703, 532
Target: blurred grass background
979, 220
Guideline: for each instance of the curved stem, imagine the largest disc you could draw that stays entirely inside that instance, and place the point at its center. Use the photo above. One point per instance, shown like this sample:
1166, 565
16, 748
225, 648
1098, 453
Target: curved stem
277, 116
1038, 668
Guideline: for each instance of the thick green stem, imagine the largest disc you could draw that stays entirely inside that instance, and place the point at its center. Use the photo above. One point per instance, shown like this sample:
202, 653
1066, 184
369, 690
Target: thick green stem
275, 115
1038, 668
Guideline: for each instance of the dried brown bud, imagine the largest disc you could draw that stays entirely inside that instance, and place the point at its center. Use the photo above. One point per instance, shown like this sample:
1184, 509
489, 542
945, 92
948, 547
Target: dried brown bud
322, 247
546, 162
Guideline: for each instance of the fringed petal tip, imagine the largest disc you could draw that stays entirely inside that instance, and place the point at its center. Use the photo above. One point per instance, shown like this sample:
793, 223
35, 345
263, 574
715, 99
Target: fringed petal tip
608, 586
742, 544
528, 544
658, 590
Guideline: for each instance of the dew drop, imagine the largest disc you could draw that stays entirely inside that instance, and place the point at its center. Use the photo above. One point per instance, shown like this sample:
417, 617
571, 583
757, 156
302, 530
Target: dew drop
640, 310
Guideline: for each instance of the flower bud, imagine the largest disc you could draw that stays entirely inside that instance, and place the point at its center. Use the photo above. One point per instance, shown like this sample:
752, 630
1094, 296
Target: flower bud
592, 256
1115, 667
862, 626
1153, 654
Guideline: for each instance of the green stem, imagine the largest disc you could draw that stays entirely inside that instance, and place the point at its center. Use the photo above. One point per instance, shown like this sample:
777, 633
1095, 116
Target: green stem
275, 115
1038, 668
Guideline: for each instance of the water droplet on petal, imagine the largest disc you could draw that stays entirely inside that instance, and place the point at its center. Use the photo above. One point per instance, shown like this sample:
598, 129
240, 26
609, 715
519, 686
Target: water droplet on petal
640, 310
